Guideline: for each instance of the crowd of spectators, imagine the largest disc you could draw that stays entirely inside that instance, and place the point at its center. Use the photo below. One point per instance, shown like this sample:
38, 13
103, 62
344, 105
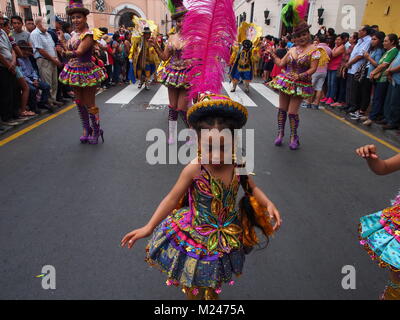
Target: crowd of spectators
31, 60
359, 76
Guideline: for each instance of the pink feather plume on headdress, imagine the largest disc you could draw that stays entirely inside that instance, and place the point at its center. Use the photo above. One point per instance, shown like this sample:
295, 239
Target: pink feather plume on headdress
301, 7
209, 29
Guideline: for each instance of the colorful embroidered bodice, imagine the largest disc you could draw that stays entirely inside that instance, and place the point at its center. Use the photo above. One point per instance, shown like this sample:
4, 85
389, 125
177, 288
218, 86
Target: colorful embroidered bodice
177, 62
74, 43
301, 64
210, 226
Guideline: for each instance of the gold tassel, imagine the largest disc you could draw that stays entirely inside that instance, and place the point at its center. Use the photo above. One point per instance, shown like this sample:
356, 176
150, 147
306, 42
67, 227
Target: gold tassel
181, 202
250, 238
262, 216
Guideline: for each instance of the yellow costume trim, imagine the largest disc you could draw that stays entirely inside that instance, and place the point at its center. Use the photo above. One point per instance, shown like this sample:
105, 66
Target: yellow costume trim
96, 33
249, 31
324, 60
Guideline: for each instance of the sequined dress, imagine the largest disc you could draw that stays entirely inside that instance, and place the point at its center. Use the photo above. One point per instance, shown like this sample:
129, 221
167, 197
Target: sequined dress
199, 246
379, 234
175, 72
81, 71
285, 83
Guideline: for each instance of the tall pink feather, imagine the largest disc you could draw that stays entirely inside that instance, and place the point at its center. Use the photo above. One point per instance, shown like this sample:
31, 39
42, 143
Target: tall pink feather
209, 29
302, 8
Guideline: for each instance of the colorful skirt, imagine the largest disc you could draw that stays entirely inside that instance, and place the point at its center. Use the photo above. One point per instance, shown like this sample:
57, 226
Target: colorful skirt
82, 74
186, 263
291, 87
379, 233
174, 78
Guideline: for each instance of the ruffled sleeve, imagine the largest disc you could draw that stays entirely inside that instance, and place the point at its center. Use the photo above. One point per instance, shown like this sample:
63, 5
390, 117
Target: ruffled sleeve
95, 33
316, 55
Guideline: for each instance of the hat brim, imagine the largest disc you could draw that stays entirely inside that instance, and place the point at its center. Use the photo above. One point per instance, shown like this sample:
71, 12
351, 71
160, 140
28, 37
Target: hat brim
178, 14
218, 108
84, 11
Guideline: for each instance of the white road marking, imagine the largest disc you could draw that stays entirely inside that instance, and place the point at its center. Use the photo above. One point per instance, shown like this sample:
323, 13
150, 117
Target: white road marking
239, 95
161, 97
267, 93
126, 95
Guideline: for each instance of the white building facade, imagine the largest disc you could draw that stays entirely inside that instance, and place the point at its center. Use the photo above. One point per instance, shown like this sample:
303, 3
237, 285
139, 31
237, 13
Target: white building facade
342, 15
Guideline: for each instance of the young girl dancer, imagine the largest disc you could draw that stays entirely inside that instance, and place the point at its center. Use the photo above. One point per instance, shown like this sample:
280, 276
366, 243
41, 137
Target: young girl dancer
199, 239
301, 62
380, 231
174, 75
81, 73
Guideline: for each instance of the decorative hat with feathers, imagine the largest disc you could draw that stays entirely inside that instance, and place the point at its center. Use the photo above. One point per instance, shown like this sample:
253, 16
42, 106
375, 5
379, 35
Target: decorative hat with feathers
76, 6
209, 30
293, 15
177, 8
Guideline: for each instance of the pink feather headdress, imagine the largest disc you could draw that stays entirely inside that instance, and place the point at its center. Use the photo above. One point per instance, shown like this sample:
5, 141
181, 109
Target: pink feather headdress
209, 29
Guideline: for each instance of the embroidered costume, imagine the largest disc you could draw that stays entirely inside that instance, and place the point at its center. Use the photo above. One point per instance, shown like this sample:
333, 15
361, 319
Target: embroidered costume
81, 71
175, 72
379, 234
200, 245
302, 87
242, 62
294, 81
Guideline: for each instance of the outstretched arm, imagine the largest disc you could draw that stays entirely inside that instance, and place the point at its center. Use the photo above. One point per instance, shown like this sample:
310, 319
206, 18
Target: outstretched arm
166, 206
377, 165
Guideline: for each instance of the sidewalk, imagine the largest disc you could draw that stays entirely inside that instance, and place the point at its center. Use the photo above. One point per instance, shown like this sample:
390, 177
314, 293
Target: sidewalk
393, 136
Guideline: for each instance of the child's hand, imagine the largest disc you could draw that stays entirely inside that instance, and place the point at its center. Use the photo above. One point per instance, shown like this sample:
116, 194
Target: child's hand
367, 152
135, 235
274, 214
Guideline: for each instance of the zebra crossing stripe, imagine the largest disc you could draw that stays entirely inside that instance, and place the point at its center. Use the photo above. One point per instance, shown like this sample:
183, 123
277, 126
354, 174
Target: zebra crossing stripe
239, 96
267, 93
161, 97
125, 95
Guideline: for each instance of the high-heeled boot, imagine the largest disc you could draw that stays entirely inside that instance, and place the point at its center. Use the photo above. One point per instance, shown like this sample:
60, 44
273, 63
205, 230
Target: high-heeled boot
84, 115
172, 125
392, 290
282, 115
294, 124
97, 131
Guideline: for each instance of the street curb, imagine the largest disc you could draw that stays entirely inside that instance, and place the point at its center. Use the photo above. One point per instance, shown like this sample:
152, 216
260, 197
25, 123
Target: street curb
391, 135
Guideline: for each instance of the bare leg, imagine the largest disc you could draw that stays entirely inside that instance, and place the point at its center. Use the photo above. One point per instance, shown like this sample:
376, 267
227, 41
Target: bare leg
139, 76
147, 79
284, 101
183, 105
247, 85
25, 94
173, 95
234, 84
318, 96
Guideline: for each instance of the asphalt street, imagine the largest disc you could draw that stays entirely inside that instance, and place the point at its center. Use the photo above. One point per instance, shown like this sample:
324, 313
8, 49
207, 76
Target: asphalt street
68, 205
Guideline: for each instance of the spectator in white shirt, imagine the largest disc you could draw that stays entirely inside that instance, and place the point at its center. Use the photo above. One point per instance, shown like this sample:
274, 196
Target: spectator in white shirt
46, 57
